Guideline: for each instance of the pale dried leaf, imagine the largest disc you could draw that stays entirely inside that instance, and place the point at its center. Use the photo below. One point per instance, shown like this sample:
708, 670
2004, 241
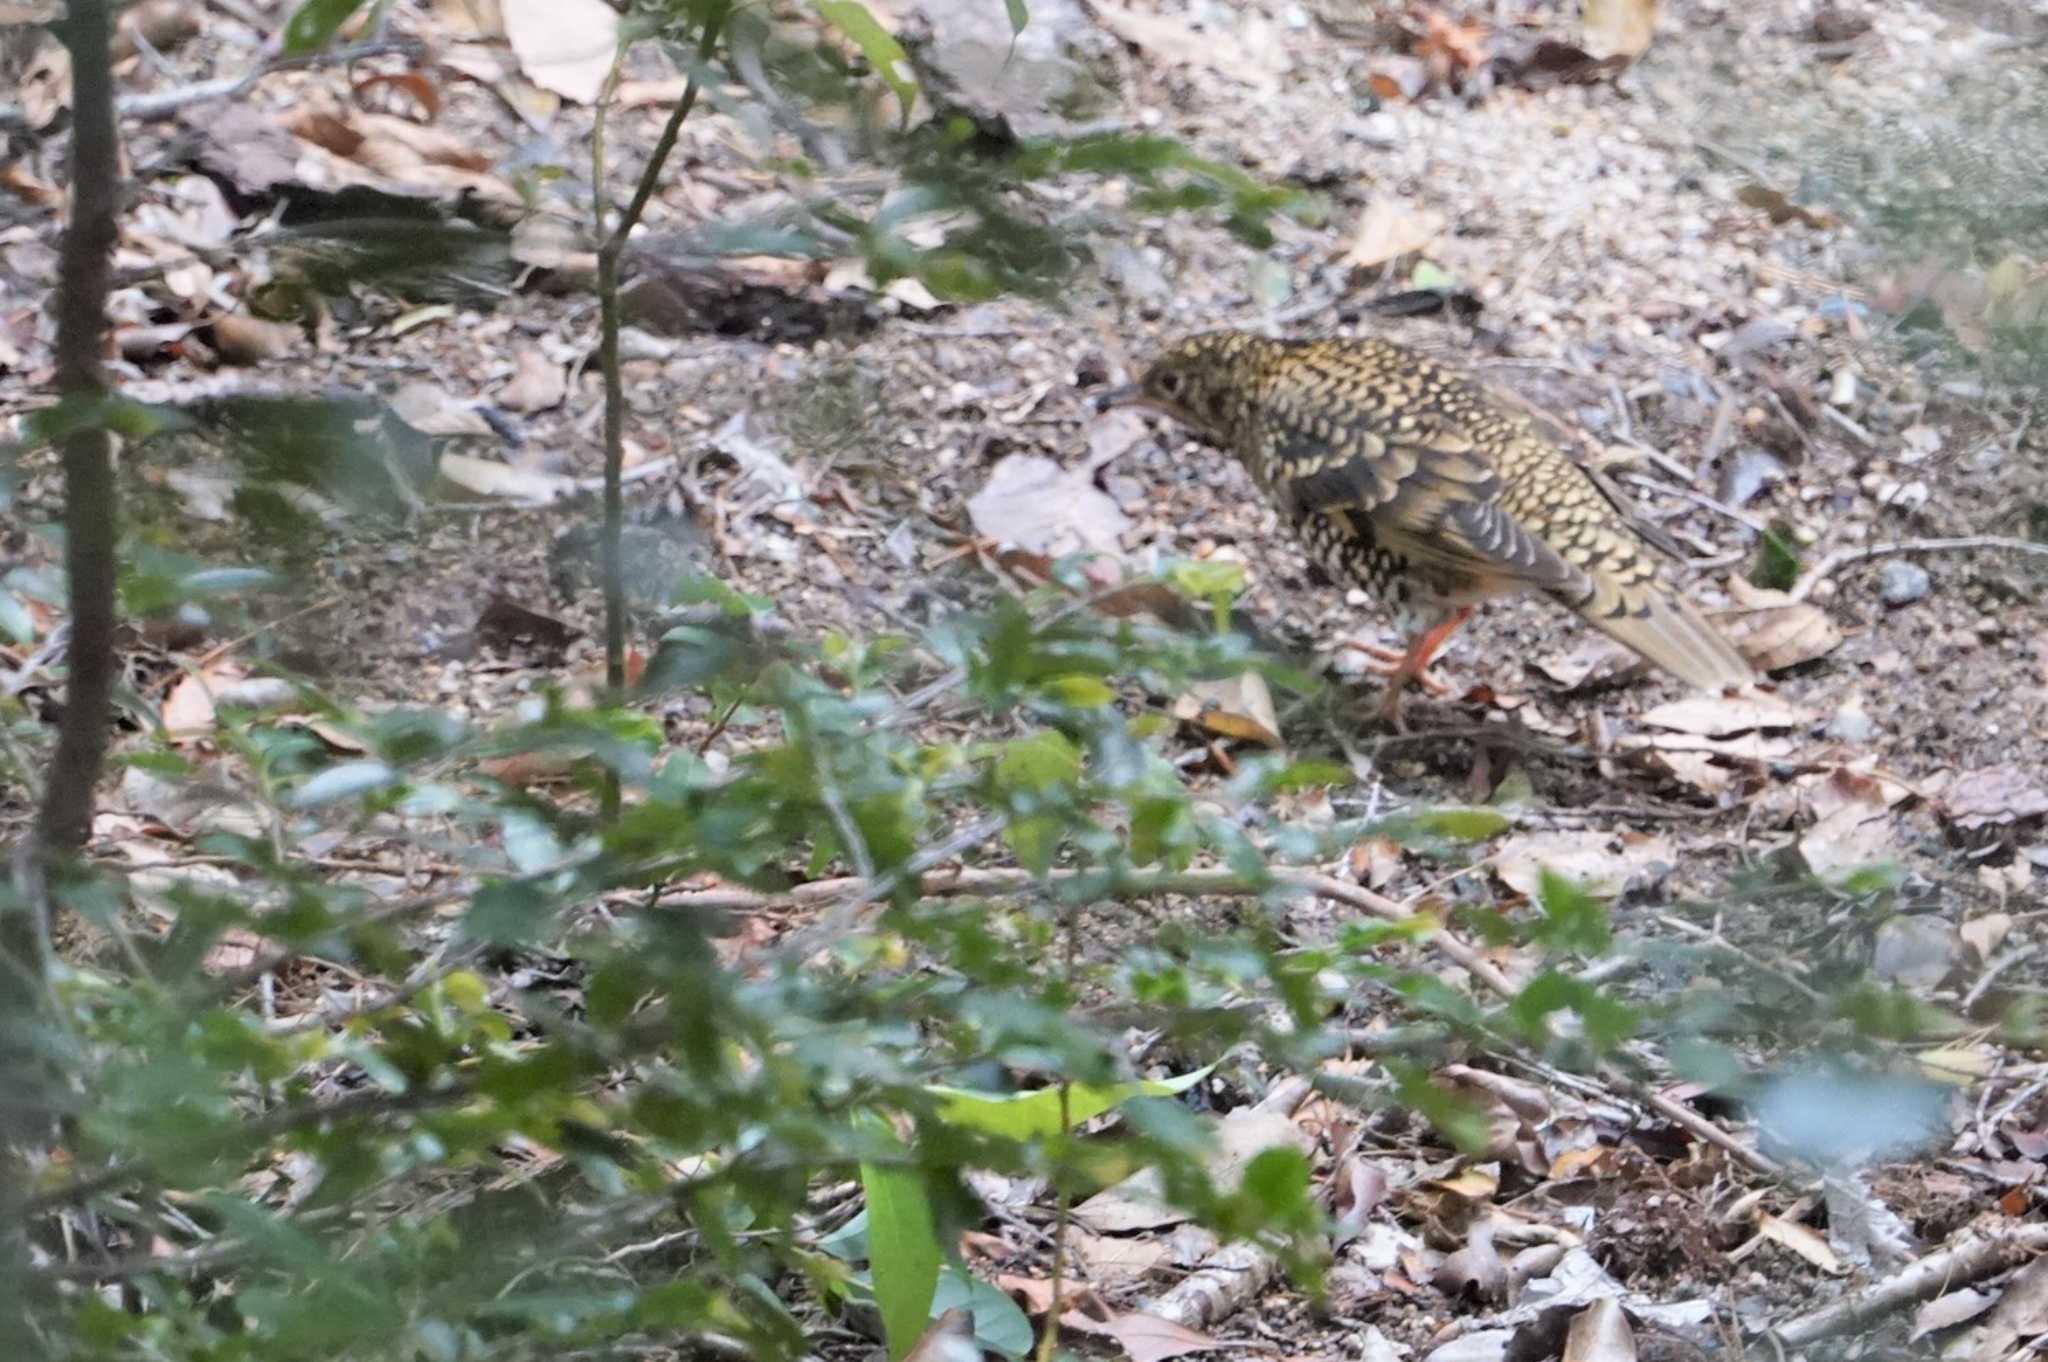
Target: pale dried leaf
1803, 1241
1994, 794
1719, 716
1032, 502
1390, 229
1236, 707
536, 384
563, 46
1147, 1338
1600, 1333
490, 478
1619, 28
1776, 637
1599, 862
1945, 1312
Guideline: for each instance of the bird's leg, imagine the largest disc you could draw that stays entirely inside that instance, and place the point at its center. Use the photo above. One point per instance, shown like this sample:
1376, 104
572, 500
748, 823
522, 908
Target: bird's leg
1414, 663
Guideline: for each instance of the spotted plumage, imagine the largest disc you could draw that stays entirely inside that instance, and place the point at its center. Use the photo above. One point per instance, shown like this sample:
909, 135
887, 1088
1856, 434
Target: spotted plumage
1402, 476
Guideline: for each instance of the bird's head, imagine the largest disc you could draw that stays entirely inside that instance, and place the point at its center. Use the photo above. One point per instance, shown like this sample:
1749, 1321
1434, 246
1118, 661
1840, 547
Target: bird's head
1200, 382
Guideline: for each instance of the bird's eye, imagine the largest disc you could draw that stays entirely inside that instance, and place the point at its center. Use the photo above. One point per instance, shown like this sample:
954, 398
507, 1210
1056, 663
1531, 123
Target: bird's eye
1169, 384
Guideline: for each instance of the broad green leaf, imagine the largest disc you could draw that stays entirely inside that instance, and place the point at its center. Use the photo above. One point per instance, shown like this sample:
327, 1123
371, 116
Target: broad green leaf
903, 1247
877, 44
1573, 920
1042, 761
1020, 15
1036, 1114
1078, 691
314, 22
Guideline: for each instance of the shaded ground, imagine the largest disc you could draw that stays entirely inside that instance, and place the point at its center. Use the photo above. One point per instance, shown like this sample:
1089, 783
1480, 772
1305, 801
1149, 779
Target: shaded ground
1702, 355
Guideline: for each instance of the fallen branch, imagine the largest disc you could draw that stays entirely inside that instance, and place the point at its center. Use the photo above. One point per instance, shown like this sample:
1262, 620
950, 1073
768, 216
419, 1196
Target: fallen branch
165, 103
960, 883
1842, 558
1968, 1261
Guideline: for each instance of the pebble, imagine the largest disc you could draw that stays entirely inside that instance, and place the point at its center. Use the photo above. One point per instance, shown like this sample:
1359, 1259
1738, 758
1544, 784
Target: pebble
1902, 583
1851, 724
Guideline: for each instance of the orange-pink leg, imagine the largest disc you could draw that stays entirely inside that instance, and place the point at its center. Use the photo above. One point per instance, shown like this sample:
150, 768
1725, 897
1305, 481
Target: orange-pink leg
1413, 664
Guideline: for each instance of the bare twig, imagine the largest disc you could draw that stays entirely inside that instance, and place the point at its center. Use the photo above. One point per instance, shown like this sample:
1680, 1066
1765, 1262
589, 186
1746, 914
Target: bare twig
1957, 1265
167, 103
1842, 558
956, 883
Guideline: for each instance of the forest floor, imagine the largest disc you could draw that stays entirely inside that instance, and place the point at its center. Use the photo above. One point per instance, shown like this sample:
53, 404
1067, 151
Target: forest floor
1637, 257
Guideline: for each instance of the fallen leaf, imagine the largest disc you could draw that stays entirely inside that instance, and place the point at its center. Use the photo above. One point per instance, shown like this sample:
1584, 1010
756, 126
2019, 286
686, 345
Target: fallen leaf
1148, 1338
1805, 1242
1945, 1312
1236, 707
1777, 636
1995, 794
1599, 862
490, 478
1782, 210
242, 339
564, 46
1390, 229
1600, 1333
536, 384
1619, 28
1721, 716
1595, 658
1034, 503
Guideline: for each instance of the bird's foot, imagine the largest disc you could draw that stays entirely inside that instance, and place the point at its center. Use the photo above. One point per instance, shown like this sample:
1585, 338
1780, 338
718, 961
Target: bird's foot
1391, 662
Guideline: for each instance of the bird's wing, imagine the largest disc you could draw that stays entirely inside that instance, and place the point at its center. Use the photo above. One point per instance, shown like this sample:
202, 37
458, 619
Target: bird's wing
1427, 493
1521, 515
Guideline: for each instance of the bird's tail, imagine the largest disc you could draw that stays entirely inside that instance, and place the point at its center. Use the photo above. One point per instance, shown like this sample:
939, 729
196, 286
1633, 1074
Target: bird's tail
1670, 632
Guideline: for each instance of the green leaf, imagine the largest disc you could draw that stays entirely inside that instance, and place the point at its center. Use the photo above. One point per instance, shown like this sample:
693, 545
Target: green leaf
316, 21
1020, 15
1777, 560
1078, 691
1035, 1115
877, 44
1431, 825
1573, 919
1044, 761
903, 1245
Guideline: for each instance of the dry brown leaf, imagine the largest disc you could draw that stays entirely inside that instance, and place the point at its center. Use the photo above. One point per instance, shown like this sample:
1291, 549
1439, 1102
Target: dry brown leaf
536, 384
1148, 1338
242, 339
1236, 707
188, 710
1600, 1333
1034, 503
1619, 28
1258, 65
1601, 863
564, 46
490, 478
1719, 716
163, 24
1995, 794
1389, 230
1775, 632
1782, 210
1807, 1243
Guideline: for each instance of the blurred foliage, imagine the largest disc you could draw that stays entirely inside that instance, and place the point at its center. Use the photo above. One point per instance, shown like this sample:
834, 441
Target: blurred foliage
1953, 187
512, 1094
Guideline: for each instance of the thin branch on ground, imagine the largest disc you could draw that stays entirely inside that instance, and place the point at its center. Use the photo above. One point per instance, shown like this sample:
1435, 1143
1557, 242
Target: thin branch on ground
164, 104
1842, 558
960, 883
1961, 1263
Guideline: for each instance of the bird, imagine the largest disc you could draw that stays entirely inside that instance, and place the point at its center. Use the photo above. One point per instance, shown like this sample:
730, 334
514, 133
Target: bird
1403, 476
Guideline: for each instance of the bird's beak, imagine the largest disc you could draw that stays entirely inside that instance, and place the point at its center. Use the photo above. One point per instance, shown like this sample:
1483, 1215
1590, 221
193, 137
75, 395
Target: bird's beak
1129, 395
